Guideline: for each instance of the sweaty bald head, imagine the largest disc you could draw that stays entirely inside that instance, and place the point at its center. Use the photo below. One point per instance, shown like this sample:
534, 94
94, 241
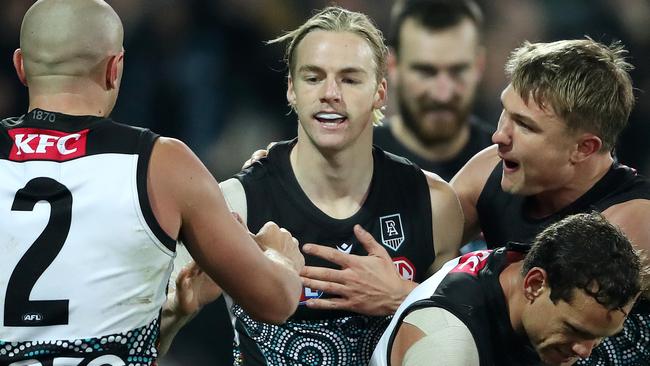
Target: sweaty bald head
69, 38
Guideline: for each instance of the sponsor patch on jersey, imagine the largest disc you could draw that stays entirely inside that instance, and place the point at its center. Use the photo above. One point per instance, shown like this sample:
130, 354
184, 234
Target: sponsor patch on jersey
392, 234
43, 144
345, 248
308, 294
472, 263
405, 268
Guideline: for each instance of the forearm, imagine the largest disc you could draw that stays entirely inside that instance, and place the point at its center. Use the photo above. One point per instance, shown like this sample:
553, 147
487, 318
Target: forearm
281, 291
171, 323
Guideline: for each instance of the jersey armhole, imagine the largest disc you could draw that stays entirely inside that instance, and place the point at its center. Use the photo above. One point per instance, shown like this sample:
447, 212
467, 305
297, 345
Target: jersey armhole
146, 142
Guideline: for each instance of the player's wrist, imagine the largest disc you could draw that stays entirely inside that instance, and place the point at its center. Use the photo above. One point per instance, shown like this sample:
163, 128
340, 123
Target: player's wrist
282, 260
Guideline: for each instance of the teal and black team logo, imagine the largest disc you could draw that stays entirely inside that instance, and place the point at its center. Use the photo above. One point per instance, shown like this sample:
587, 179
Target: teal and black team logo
392, 233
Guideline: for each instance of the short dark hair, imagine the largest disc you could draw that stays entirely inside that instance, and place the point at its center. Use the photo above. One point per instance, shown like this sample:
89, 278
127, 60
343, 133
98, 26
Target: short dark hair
586, 252
434, 15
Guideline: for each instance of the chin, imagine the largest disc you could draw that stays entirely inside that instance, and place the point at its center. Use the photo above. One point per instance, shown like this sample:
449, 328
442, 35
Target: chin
510, 187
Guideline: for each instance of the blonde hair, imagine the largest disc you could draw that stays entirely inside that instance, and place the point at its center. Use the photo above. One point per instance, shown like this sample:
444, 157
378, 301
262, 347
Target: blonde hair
337, 19
585, 82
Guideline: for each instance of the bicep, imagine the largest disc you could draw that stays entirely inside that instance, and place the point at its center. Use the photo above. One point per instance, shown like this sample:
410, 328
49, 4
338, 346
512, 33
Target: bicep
447, 220
216, 241
442, 339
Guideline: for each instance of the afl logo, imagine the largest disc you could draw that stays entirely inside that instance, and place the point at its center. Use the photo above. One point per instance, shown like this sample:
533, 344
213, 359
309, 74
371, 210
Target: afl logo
32, 318
405, 268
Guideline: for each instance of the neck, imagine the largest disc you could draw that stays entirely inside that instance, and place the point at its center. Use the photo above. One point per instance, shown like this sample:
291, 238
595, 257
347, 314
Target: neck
337, 182
585, 175
78, 97
443, 150
512, 285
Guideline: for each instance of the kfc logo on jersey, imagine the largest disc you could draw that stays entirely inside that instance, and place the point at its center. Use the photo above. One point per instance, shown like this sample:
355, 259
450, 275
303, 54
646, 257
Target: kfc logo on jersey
471, 263
405, 268
41, 144
308, 294
392, 234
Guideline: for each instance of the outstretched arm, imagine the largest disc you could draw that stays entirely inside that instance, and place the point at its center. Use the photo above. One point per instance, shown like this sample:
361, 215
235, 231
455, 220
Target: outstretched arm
188, 203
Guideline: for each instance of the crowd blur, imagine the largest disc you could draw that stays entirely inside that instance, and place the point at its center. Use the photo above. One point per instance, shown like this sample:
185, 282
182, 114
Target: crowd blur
199, 70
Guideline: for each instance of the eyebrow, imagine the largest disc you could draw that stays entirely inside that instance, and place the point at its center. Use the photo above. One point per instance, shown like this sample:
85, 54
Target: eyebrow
345, 70
528, 120
531, 122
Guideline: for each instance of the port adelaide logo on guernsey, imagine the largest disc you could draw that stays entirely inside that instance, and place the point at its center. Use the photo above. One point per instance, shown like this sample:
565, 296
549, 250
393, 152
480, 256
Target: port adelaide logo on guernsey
392, 233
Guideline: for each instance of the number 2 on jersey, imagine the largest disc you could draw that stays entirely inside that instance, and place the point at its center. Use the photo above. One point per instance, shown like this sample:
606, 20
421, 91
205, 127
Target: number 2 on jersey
19, 310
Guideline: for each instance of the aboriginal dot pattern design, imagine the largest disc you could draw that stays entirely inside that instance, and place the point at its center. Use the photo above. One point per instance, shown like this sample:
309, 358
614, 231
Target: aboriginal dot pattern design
629, 348
347, 340
136, 347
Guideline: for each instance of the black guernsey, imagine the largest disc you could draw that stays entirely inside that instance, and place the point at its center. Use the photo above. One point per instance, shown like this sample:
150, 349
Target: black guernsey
397, 211
474, 295
480, 137
503, 218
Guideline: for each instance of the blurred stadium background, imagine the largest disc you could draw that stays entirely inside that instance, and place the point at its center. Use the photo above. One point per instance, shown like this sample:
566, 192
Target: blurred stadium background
198, 70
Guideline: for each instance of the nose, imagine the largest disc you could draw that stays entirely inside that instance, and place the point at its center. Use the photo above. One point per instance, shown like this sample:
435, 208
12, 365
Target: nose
503, 134
442, 88
583, 349
331, 92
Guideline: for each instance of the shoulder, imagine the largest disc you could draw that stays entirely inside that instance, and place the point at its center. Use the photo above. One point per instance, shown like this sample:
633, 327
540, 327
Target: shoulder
632, 218
440, 191
393, 159
276, 159
445, 339
174, 166
473, 176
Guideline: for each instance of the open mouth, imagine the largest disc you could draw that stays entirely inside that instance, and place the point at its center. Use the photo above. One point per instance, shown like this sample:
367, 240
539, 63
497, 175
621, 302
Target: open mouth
510, 164
330, 119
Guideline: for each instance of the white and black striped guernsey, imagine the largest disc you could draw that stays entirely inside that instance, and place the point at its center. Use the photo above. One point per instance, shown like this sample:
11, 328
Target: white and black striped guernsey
85, 263
397, 212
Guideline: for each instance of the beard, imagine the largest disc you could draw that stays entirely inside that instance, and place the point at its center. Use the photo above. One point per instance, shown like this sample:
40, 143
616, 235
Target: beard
429, 130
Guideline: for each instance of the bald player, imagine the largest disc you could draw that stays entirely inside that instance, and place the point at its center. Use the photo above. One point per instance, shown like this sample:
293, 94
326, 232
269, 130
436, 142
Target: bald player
91, 210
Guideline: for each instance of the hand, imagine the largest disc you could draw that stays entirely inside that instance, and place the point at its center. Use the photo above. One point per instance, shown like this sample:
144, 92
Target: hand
257, 155
368, 285
194, 289
279, 246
